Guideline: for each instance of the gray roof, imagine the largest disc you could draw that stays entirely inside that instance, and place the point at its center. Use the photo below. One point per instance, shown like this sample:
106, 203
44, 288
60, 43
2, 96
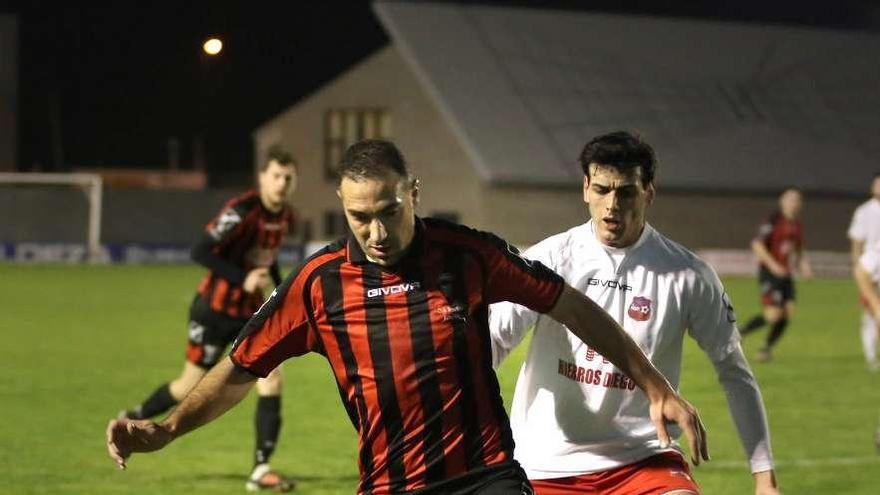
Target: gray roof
727, 106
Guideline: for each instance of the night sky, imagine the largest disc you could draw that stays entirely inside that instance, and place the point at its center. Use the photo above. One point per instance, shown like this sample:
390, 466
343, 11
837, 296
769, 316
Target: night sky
116, 82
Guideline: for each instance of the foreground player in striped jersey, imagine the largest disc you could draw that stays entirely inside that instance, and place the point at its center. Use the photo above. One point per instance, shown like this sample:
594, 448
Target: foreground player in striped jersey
579, 423
240, 248
400, 311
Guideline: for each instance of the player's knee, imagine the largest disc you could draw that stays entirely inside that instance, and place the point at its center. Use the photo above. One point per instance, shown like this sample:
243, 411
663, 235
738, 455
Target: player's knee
187, 380
272, 384
773, 315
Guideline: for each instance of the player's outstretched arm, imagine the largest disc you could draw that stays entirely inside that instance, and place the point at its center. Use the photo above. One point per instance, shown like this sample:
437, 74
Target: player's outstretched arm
222, 388
747, 409
596, 328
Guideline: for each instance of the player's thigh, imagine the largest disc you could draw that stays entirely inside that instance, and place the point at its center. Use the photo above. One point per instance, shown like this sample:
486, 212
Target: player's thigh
272, 384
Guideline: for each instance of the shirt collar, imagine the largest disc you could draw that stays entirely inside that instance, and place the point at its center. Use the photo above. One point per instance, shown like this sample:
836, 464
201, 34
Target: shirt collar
591, 236
356, 256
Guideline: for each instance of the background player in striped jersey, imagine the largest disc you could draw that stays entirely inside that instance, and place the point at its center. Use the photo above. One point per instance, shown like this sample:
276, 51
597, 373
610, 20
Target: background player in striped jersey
779, 246
579, 425
400, 309
864, 231
240, 249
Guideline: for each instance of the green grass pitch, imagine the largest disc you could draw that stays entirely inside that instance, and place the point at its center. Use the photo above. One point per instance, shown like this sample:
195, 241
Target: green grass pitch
79, 343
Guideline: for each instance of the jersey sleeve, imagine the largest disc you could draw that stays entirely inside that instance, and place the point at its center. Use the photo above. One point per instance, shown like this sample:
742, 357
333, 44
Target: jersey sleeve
765, 230
509, 322
222, 227
280, 329
710, 316
514, 278
746, 407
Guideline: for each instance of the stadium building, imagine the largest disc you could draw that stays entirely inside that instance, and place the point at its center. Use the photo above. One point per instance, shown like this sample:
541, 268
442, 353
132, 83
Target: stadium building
492, 105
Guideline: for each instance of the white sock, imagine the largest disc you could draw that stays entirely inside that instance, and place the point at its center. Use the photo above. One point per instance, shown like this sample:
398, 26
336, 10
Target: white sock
869, 338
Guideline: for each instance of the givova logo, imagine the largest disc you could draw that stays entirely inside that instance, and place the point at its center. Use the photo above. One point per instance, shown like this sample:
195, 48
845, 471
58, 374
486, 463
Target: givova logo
393, 289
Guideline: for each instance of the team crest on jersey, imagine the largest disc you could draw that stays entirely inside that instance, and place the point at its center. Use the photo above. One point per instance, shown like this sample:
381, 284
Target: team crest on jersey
640, 309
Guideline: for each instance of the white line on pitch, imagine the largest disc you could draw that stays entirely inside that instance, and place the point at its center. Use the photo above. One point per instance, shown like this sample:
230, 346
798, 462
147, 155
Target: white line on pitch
783, 463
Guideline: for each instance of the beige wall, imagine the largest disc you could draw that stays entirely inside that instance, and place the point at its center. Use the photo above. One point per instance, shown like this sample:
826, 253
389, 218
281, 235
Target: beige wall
731, 221
696, 220
449, 181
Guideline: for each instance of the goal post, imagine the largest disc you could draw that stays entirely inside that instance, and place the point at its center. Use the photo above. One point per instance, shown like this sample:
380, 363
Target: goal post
92, 183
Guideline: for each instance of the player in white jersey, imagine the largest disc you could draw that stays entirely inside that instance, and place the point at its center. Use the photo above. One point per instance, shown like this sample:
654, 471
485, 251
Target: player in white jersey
580, 426
864, 230
867, 275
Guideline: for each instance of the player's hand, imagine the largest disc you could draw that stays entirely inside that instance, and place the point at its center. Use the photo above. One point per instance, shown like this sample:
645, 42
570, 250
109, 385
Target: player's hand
765, 483
807, 272
257, 279
778, 270
672, 408
126, 436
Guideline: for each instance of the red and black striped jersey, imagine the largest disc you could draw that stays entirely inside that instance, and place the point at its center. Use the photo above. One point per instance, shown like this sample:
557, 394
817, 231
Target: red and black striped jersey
243, 236
782, 237
409, 347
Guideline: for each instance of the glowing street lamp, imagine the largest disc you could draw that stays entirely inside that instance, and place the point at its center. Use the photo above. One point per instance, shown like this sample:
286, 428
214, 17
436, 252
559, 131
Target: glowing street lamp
212, 46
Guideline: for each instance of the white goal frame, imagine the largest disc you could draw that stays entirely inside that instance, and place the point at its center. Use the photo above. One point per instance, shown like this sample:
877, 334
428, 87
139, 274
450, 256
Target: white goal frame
94, 192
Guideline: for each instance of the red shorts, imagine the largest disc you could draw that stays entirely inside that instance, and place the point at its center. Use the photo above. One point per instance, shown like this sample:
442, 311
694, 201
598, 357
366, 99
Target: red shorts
655, 475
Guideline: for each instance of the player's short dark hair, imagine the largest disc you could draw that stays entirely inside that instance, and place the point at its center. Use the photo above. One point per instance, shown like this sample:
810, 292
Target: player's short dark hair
371, 158
280, 155
620, 150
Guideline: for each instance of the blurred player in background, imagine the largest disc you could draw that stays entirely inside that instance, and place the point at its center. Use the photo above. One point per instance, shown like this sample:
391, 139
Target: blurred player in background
240, 248
865, 231
867, 275
400, 311
779, 246
579, 424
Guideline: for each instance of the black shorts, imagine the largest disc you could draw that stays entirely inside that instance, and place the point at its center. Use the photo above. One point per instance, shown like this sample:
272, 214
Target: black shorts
209, 333
775, 291
505, 479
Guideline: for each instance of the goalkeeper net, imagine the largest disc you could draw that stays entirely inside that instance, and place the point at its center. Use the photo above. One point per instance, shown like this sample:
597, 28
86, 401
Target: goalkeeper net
52, 208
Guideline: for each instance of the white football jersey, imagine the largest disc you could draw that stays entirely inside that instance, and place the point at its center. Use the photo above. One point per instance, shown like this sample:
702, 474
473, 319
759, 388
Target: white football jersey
865, 225
573, 412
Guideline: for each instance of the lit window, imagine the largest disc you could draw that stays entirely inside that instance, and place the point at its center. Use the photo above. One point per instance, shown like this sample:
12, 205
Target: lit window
344, 127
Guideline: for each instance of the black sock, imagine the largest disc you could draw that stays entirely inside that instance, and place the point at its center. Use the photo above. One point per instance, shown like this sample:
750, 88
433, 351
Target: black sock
157, 403
268, 423
753, 324
776, 331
